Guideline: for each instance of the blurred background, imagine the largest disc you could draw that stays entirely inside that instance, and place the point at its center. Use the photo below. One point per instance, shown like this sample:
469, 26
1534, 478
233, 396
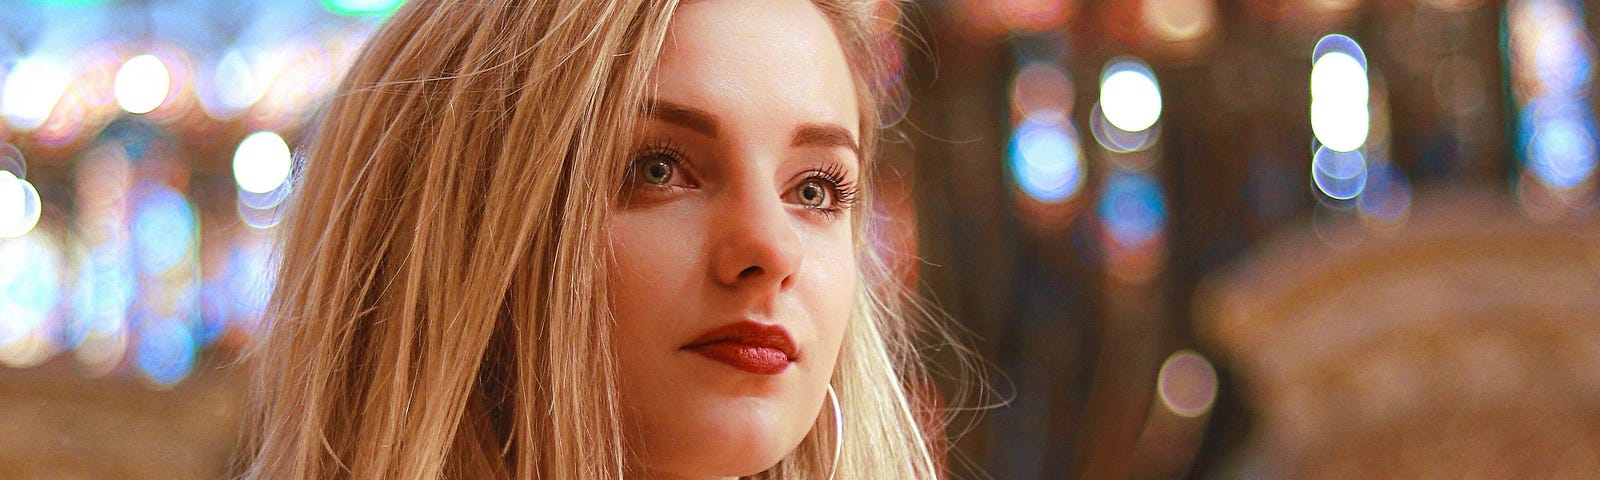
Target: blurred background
1187, 238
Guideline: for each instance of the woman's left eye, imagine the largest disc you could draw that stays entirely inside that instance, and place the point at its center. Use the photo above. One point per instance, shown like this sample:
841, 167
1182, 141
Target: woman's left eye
826, 191
815, 193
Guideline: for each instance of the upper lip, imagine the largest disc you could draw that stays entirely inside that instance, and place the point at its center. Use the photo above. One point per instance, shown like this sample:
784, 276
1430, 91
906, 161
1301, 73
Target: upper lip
748, 332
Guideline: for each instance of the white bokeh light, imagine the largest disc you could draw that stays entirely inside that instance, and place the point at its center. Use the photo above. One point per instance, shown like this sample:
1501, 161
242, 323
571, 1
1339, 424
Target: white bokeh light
142, 84
31, 209
1340, 117
1342, 127
1129, 95
262, 162
237, 81
30, 293
1338, 77
13, 201
32, 89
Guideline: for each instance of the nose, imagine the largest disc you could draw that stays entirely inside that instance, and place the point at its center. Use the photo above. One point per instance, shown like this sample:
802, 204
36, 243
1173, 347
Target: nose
756, 245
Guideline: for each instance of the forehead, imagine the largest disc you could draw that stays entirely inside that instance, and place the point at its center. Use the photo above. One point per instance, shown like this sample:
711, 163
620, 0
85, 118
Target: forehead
757, 61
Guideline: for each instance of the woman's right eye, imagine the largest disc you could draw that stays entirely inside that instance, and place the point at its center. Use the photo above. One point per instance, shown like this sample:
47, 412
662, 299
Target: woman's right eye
656, 172
655, 169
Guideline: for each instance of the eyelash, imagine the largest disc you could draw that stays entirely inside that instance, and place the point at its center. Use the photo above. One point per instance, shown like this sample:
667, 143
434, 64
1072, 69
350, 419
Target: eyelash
845, 191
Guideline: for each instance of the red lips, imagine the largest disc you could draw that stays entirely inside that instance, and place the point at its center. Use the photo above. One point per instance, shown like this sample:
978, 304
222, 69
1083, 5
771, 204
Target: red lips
747, 345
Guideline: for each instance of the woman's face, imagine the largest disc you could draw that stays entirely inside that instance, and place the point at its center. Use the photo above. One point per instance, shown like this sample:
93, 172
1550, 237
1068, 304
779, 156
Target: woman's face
734, 273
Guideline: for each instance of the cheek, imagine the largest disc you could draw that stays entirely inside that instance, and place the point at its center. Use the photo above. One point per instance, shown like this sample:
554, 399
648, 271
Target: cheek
651, 272
830, 289
652, 258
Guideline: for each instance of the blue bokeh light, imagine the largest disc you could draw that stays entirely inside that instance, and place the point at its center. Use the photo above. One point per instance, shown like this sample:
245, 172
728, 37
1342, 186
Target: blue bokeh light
1339, 175
165, 351
1387, 196
1553, 65
1133, 209
1045, 160
250, 280
103, 295
1340, 43
164, 230
1561, 137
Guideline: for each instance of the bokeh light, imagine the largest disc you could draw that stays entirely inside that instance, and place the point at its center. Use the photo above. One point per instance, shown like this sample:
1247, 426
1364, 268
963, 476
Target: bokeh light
104, 293
299, 71
164, 230
264, 201
23, 215
1340, 126
1179, 20
258, 218
1187, 384
142, 84
11, 161
233, 86
1340, 115
1046, 160
1385, 201
1133, 210
1027, 16
30, 292
32, 88
1561, 148
13, 201
1117, 140
1129, 95
1552, 59
20, 205
126, 273
106, 283
1552, 52
362, 7
165, 351
1339, 175
1336, 76
1340, 43
262, 162
1042, 92
249, 280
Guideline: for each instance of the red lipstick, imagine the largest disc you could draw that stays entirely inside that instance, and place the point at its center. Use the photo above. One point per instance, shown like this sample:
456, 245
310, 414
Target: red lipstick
746, 345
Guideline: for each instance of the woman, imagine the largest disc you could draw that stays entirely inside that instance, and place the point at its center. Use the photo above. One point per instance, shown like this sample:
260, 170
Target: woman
594, 239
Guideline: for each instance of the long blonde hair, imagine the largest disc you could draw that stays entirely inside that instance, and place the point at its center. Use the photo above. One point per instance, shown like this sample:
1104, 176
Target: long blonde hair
439, 310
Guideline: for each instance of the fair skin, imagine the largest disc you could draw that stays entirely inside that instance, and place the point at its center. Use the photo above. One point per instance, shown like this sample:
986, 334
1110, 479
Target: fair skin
737, 208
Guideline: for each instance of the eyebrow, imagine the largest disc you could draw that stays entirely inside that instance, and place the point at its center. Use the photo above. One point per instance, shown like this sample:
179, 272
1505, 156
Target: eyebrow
826, 135
684, 116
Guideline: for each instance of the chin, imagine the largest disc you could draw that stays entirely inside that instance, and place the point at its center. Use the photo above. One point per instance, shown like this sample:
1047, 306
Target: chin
732, 443
715, 459
759, 455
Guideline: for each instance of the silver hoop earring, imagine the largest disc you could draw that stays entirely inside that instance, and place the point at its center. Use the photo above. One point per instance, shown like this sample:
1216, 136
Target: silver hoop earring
838, 431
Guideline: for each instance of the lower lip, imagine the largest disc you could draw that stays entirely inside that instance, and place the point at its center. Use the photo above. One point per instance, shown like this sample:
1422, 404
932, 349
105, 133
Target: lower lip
757, 360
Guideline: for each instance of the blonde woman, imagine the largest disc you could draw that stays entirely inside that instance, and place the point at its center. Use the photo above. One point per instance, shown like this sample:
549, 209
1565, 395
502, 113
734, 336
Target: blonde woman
594, 239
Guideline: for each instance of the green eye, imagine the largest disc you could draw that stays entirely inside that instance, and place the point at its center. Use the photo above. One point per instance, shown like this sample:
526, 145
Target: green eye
813, 194
655, 171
